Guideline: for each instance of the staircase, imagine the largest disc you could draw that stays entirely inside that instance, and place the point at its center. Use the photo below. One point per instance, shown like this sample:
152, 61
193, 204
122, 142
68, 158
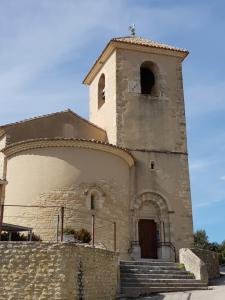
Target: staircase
145, 277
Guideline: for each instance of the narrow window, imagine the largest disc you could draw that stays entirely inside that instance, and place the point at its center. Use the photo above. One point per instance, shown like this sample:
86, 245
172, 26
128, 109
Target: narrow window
152, 165
147, 80
92, 201
101, 91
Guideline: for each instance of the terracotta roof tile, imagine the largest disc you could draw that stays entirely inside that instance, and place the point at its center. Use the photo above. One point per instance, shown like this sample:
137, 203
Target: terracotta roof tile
129, 40
136, 40
68, 139
4, 126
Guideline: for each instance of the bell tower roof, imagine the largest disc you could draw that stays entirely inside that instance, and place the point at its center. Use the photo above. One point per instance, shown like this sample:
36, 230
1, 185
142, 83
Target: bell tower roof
136, 43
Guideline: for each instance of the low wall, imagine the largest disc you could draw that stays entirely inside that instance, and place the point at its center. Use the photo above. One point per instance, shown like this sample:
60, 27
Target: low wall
56, 271
193, 264
211, 260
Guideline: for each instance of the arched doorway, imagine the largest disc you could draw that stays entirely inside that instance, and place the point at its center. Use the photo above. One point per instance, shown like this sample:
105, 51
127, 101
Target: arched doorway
147, 233
152, 229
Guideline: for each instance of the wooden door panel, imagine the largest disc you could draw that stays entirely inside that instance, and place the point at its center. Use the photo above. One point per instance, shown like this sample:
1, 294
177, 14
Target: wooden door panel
147, 238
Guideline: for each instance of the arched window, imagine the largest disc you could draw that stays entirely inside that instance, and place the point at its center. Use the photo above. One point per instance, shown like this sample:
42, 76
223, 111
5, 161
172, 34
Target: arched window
93, 198
101, 91
148, 79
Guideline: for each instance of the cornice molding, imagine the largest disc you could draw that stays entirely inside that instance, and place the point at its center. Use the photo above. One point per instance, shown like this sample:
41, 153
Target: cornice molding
19, 147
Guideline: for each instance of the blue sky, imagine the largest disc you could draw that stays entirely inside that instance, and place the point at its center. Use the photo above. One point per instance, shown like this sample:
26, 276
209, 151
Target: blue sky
47, 46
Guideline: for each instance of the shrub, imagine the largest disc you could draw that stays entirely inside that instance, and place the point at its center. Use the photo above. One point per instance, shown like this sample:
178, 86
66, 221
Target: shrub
68, 230
83, 235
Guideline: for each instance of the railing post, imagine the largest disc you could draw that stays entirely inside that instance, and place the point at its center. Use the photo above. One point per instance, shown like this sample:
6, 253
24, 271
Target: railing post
93, 230
164, 233
57, 229
1, 218
114, 234
62, 222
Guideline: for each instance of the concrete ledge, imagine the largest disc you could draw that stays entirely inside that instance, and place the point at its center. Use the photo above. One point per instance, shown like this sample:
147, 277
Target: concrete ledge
193, 264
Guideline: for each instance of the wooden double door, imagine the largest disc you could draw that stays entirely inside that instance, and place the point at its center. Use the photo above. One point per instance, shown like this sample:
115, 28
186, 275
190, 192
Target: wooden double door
147, 238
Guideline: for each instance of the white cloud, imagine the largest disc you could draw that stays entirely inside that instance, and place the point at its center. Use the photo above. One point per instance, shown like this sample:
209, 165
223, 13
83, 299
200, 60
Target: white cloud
222, 177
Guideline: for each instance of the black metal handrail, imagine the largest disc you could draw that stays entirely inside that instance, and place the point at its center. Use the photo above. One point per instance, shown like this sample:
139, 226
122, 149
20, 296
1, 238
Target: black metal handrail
170, 245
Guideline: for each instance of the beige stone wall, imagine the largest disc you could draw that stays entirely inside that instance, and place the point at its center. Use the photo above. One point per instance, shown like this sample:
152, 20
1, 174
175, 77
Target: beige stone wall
66, 177
64, 124
193, 264
211, 260
105, 117
145, 121
154, 129
170, 180
51, 271
2, 145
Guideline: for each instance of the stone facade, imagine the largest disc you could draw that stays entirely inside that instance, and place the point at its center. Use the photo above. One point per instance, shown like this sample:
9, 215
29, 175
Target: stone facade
47, 271
71, 175
153, 128
64, 160
108, 110
211, 261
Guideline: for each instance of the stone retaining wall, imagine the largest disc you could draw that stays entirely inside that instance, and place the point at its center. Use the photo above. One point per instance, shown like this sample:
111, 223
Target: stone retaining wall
193, 264
56, 271
211, 260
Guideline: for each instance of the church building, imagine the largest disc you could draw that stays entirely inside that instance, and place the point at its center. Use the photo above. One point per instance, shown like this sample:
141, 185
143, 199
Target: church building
127, 165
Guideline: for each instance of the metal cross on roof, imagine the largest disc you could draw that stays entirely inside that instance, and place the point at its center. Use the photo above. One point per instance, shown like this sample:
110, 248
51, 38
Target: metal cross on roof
132, 29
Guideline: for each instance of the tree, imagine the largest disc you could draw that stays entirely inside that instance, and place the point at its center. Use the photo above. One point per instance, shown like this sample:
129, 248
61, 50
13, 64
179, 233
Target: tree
201, 239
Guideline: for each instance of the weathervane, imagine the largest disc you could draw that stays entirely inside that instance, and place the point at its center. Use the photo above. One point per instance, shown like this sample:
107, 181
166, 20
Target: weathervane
132, 29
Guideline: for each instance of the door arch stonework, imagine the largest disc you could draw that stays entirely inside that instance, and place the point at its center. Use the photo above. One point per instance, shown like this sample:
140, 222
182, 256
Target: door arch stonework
152, 206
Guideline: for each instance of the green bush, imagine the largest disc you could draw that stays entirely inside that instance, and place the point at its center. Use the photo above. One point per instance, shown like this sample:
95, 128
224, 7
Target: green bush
68, 230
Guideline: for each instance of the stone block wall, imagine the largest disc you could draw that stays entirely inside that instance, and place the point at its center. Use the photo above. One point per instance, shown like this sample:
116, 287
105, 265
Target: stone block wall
56, 271
193, 264
211, 260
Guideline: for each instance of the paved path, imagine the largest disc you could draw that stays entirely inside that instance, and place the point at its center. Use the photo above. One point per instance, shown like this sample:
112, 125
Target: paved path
216, 292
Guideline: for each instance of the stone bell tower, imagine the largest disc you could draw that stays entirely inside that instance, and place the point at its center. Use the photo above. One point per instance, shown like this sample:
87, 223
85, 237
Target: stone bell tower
136, 95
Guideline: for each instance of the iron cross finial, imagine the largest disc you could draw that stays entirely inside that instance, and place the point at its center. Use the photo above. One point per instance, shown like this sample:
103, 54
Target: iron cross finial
132, 29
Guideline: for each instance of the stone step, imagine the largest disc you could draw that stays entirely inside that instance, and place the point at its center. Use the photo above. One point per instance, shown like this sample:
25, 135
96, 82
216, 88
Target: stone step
145, 291
155, 276
149, 268
149, 263
150, 271
159, 275
153, 281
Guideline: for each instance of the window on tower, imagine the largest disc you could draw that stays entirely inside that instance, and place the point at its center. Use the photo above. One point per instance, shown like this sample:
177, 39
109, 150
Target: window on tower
93, 199
101, 91
148, 79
